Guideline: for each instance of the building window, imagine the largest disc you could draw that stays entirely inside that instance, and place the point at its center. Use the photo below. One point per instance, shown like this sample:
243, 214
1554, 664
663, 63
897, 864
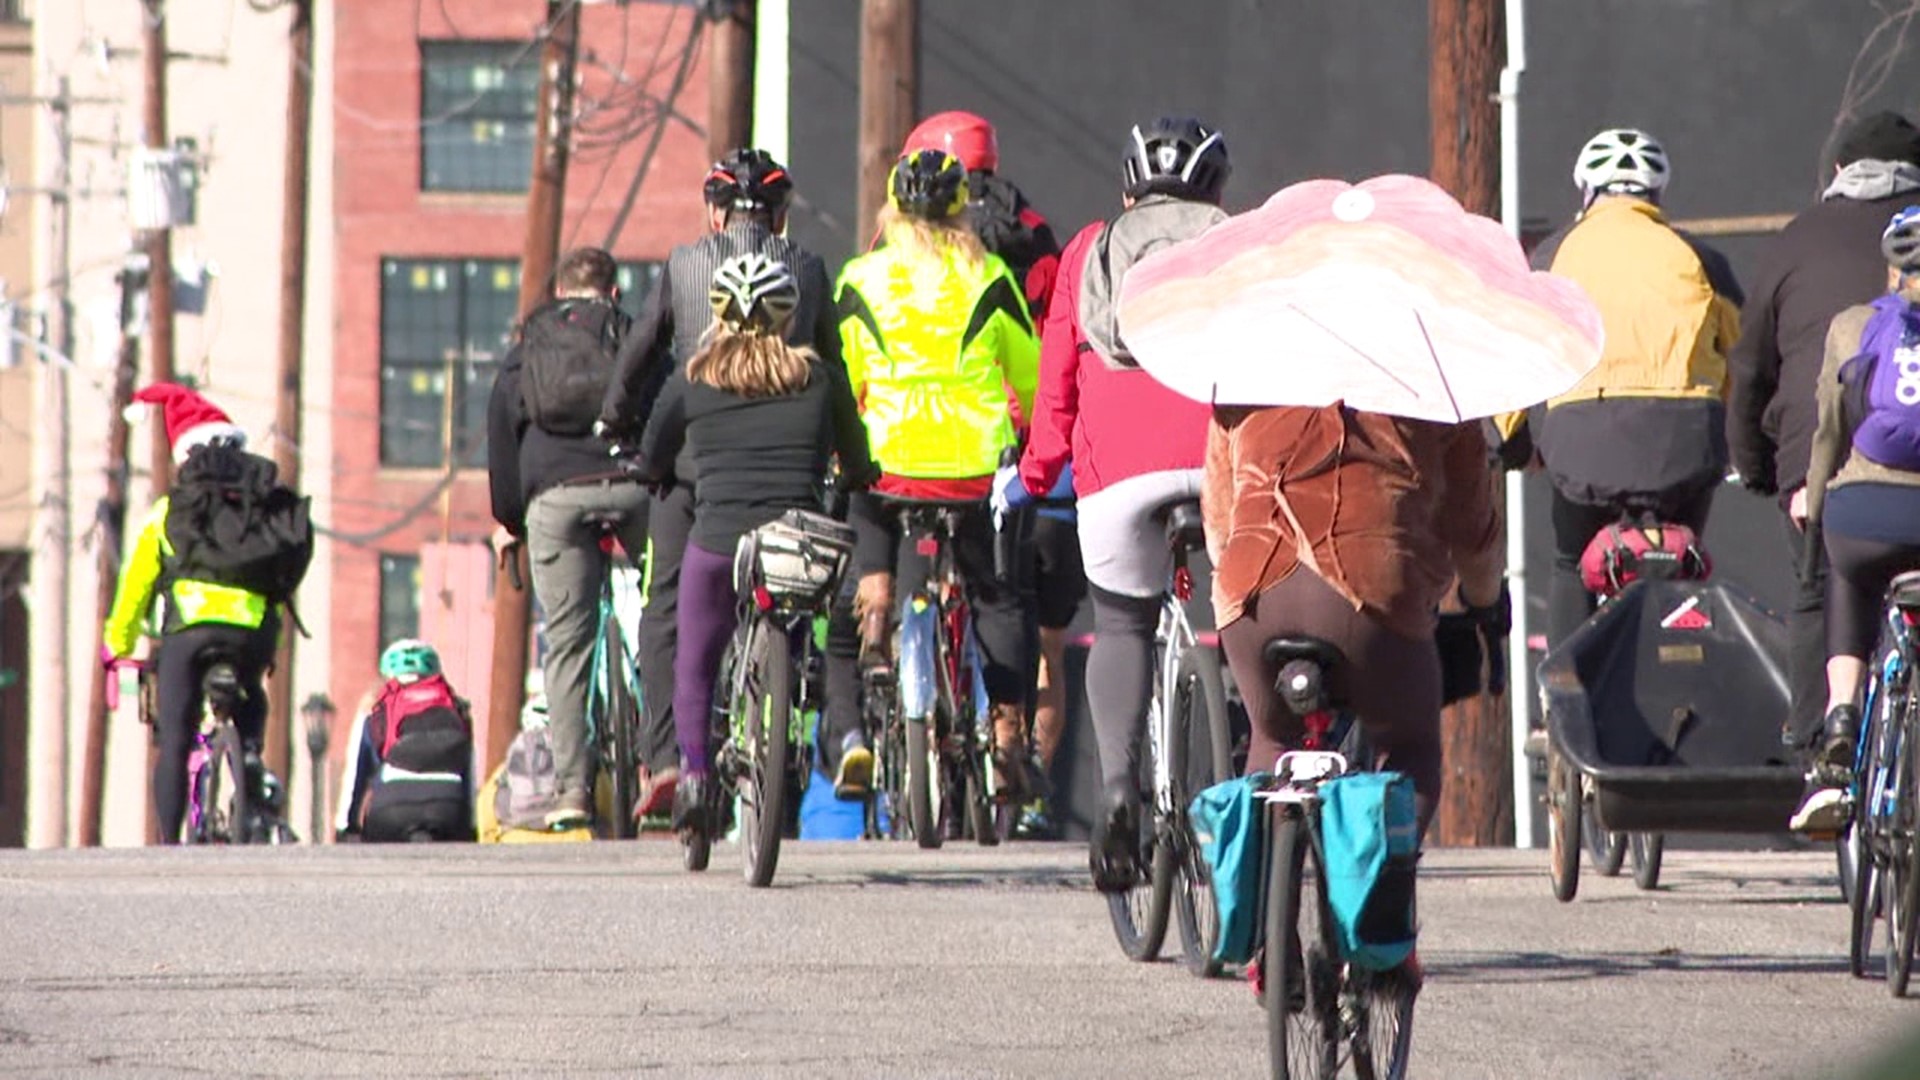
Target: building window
477, 104
399, 598
443, 329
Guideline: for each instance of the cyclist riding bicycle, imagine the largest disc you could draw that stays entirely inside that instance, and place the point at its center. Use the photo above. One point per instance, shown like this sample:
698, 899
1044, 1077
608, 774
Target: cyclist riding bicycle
1863, 491
1137, 449
747, 194
1008, 224
935, 333
1645, 431
759, 419
1350, 527
200, 621
552, 483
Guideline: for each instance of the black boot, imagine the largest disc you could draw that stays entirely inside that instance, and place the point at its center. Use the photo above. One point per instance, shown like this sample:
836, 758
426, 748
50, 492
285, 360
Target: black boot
1114, 856
690, 803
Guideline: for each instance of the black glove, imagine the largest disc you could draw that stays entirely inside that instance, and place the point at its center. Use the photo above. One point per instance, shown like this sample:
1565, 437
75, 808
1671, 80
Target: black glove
1495, 622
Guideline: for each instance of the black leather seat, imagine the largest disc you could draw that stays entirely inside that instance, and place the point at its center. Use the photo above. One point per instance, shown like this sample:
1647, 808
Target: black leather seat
1186, 529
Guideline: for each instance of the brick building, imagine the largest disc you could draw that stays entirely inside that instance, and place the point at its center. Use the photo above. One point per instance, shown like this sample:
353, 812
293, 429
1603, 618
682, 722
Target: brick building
432, 128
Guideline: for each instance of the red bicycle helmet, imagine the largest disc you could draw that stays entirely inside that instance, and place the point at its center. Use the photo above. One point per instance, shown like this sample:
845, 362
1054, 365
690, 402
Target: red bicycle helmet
961, 134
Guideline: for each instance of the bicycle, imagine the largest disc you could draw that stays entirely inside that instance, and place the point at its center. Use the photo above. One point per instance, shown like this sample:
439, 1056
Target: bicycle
613, 686
935, 741
1188, 747
786, 574
1323, 1012
1885, 792
231, 799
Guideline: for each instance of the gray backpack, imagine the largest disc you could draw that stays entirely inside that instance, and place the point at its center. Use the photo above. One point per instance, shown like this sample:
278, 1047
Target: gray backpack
1149, 225
530, 786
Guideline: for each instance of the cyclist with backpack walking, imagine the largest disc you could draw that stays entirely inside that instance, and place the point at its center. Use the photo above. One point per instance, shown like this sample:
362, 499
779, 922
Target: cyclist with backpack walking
760, 420
747, 194
1136, 448
937, 338
1863, 491
409, 769
221, 551
552, 481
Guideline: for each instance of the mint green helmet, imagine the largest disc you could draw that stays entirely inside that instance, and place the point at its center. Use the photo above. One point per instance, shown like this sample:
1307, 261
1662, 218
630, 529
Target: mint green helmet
409, 658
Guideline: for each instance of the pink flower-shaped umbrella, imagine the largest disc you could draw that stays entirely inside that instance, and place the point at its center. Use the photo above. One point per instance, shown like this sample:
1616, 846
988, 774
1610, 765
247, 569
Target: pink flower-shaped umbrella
1387, 296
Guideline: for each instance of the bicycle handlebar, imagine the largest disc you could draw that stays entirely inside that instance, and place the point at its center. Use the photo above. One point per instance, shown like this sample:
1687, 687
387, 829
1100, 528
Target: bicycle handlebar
113, 666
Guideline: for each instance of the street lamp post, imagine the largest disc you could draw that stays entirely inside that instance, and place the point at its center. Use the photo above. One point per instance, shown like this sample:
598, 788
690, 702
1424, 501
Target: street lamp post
317, 712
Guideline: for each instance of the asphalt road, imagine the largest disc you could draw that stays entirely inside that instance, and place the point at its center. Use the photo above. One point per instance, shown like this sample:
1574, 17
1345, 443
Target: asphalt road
865, 961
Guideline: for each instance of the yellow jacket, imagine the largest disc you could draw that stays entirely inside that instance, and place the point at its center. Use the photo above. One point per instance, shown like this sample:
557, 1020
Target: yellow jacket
1668, 331
932, 350
189, 602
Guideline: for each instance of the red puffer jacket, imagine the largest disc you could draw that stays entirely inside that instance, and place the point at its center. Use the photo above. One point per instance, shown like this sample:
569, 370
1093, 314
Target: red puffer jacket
1112, 424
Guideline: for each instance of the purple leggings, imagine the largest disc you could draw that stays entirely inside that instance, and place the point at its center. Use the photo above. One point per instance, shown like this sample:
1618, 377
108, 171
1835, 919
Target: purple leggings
706, 619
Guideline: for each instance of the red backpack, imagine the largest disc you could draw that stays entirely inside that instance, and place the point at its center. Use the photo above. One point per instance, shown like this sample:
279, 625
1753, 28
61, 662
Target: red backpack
401, 703
1623, 553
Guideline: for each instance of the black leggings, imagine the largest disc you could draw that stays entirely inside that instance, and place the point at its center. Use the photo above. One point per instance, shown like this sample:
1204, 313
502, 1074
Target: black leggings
1872, 533
1120, 679
999, 615
179, 664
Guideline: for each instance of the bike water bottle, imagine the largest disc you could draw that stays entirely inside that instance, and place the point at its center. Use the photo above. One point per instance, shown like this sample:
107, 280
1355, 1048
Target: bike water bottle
916, 658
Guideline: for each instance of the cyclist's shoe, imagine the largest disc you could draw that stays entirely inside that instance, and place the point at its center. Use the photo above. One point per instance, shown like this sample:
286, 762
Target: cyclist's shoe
571, 810
656, 792
690, 803
1036, 822
854, 778
1824, 810
1833, 764
1114, 855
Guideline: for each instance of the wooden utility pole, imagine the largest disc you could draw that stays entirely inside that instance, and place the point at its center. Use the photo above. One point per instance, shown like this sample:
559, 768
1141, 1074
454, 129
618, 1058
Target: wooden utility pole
110, 525
159, 241
730, 76
546, 198
1466, 42
889, 96
293, 313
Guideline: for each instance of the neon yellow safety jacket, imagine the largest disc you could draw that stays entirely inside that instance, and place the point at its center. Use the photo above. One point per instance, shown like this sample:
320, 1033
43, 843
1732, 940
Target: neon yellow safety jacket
932, 349
188, 602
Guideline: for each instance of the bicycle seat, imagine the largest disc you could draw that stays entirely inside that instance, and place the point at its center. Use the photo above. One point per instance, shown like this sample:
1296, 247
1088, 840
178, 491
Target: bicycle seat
222, 689
1308, 668
1904, 591
1185, 528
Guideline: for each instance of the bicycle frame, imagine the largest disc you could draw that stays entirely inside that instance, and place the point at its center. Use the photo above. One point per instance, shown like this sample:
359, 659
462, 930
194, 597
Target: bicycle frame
1883, 719
1172, 639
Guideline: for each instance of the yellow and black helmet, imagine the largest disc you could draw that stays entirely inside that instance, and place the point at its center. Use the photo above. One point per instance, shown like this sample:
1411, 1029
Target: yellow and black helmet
929, 184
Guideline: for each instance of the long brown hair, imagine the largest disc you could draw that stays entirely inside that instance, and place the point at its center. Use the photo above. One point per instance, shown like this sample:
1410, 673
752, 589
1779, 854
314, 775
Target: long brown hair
749, 363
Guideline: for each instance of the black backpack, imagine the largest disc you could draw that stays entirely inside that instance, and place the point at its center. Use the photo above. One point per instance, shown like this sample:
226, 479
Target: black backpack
567, 352
231, 522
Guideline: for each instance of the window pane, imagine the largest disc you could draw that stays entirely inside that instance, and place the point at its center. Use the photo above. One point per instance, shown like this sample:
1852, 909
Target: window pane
441, 319
412, 408
493, 299
399, 598
477, 102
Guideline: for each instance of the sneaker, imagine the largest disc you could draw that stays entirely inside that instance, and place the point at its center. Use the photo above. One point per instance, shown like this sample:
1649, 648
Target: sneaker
656, 792
854, 778
1114, 854
1824, 810
1036, 822
1834, 760
571, 811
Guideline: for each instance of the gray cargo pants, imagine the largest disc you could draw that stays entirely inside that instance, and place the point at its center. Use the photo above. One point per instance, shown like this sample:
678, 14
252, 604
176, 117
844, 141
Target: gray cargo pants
568, 569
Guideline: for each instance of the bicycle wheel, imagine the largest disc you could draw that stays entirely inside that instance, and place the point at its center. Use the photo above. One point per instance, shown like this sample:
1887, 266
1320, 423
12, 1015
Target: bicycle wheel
923, 767
768, 726
1859, 879
1563, 826
1646, 849
223, 792
1301, 961
623, 731
1608, 850
1902, 885
1383, 1024
887, 803
1198, 755
981, 804
1140, 914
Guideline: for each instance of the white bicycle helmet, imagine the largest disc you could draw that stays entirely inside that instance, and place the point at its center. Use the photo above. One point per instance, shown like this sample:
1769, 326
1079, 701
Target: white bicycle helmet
1622, 161
753, 292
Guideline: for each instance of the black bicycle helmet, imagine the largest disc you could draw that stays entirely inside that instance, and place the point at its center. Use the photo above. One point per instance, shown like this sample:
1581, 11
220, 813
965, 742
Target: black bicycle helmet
929, 184
750, 180
1177, 156
1901, 242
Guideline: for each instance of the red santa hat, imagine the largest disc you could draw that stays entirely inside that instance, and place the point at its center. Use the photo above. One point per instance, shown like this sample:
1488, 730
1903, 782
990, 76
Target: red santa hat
191, 420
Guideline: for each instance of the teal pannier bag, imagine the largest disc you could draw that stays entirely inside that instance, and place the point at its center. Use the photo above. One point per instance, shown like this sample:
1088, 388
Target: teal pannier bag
1229, 822
1370, 840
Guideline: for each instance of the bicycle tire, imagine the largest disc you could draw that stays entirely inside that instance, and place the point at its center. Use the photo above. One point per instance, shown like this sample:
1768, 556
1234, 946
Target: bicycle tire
1383, 1025
886, 808
1646, 850
923, 810
1563, 826
769, 725
1607, 850
224, 807
1903, 856
1863, 906
623, 727
1302, 1043
1846, 858
1140, 914
981, 806
1198, 686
